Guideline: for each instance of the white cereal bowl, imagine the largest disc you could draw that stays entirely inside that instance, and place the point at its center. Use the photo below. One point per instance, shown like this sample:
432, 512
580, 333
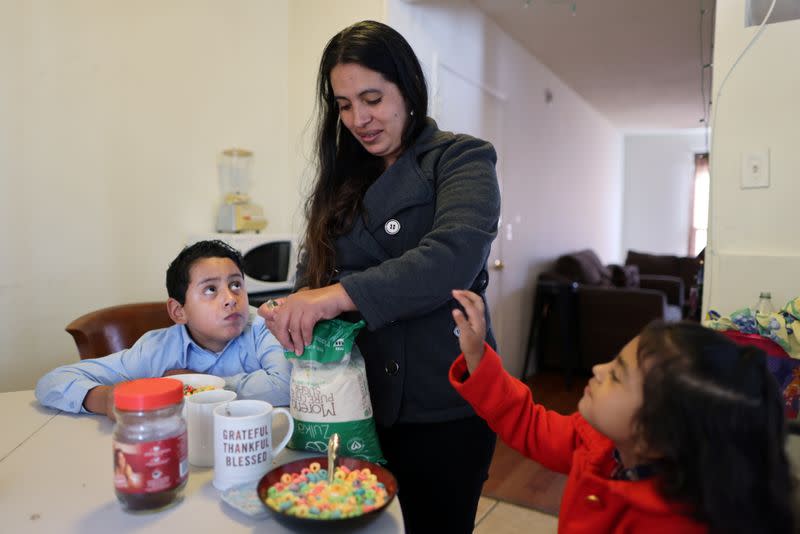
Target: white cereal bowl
198, 380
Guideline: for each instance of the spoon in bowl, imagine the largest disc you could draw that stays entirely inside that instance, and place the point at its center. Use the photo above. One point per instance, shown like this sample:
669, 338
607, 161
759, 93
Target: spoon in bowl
333, 449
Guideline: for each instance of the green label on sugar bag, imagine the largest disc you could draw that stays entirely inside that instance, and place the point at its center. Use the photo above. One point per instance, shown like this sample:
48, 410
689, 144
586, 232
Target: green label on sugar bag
359, 438
333, 340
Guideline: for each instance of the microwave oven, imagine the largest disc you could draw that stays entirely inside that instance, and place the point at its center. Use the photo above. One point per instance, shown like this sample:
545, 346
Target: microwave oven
270, 262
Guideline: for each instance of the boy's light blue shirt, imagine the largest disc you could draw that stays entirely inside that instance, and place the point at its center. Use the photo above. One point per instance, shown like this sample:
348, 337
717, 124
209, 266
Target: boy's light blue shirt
253, 365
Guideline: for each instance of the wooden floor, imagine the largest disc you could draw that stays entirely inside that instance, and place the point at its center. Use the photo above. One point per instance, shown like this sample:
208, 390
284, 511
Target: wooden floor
518, 480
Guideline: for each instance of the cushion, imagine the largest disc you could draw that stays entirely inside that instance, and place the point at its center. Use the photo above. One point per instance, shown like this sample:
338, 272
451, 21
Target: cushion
653, 263
624, 275
584, 267
684, 267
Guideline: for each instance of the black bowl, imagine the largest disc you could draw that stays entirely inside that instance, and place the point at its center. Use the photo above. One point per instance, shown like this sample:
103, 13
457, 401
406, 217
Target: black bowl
383, 475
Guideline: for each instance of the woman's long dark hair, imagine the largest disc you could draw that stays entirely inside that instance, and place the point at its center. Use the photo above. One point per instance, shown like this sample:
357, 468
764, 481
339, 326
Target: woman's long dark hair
345, 169
714, 412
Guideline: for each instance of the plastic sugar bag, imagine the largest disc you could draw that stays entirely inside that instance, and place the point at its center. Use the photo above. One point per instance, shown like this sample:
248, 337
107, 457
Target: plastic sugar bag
329, 394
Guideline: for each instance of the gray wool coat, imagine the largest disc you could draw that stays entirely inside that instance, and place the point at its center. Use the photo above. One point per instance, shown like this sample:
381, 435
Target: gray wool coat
429, 223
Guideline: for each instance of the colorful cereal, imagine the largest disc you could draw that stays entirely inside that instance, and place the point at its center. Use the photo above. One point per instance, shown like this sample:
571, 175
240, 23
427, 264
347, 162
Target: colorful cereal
308, 494
191, 390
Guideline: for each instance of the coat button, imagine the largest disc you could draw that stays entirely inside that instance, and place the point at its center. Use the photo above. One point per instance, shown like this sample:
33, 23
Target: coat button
392, 226
392, 367
594, 501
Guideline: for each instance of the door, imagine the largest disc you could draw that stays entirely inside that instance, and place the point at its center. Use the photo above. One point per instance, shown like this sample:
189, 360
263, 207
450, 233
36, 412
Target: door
453, 95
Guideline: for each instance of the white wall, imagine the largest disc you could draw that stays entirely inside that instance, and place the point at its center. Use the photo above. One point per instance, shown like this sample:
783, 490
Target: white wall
112, 113
116, 113
754, 243
311, 25
560, 163
111, 117
659, 181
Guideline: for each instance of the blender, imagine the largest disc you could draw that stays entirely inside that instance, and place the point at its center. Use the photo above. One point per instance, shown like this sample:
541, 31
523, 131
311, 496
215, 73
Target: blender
237, 213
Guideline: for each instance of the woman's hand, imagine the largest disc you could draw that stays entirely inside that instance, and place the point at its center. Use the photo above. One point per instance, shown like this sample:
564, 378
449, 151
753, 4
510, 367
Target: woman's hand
472, 327
291, 320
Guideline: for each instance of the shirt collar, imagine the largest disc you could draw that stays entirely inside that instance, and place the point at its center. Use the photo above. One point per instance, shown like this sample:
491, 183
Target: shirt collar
188, 342
637, 472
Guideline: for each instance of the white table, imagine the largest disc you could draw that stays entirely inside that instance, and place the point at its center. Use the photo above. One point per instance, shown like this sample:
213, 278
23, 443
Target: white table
16, 426
56, 476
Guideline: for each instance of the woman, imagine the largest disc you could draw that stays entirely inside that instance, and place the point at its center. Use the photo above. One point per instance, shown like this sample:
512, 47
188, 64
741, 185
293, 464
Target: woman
401, 213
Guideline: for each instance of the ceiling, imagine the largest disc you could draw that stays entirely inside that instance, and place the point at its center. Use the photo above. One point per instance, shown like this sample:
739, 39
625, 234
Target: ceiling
637, 62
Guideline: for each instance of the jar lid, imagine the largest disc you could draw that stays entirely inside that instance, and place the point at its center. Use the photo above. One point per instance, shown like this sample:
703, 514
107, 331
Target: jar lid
148, 394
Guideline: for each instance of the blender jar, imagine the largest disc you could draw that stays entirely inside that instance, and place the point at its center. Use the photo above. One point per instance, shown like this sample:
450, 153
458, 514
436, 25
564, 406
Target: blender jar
234, 166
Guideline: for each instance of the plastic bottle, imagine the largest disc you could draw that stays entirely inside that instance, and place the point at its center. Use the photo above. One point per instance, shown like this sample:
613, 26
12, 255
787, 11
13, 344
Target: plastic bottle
764, 305
150, 447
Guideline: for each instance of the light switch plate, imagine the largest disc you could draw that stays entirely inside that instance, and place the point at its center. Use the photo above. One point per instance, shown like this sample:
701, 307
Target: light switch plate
755, 169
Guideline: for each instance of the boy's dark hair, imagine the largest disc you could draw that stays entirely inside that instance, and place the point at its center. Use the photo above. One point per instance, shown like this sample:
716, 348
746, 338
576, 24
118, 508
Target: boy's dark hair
714, 412
178, 270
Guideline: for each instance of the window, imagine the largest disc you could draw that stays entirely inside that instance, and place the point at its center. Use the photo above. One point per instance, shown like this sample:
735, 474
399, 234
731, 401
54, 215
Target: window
698, 234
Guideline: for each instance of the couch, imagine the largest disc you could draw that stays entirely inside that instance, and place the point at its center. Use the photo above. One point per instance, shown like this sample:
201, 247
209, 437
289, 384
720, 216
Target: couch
653, 267
585, 311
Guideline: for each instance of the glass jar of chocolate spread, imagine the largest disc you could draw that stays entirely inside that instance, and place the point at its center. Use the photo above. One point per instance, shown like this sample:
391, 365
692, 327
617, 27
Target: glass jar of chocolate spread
150, 447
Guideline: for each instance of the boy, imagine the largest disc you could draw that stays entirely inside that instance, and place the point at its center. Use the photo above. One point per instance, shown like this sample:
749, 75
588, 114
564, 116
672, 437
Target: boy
213, 334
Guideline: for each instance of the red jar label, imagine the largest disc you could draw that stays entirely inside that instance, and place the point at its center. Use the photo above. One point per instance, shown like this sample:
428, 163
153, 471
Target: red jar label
150, 466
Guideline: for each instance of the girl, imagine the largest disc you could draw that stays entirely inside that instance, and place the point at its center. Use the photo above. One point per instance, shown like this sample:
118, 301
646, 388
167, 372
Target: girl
682, 432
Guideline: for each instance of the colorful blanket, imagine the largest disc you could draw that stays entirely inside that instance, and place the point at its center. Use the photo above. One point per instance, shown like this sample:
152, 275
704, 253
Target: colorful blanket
782, 327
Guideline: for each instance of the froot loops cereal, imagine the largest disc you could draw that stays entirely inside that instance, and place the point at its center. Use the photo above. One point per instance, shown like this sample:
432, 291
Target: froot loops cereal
191, 390
308, 494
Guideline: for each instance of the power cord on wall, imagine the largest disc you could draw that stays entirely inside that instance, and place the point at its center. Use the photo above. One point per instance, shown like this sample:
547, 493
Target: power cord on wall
706, 66
712, 237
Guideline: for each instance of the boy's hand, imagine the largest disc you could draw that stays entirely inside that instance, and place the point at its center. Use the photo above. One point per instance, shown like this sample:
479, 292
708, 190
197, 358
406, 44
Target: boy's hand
472, 326
100, 399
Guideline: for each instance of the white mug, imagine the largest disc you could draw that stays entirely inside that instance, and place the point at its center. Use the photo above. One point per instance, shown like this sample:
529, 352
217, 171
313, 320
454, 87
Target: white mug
200, 423
198, 380
243, 450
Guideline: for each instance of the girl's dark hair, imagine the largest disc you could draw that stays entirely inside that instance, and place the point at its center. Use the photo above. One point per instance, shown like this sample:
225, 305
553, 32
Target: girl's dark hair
345, 169
714, 412
178, 270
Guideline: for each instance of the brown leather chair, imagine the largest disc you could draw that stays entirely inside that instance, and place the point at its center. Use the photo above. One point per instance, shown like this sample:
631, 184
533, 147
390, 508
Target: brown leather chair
112, 329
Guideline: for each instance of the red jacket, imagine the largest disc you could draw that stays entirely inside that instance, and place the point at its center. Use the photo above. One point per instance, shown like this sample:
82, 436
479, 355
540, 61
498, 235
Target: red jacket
593, 502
